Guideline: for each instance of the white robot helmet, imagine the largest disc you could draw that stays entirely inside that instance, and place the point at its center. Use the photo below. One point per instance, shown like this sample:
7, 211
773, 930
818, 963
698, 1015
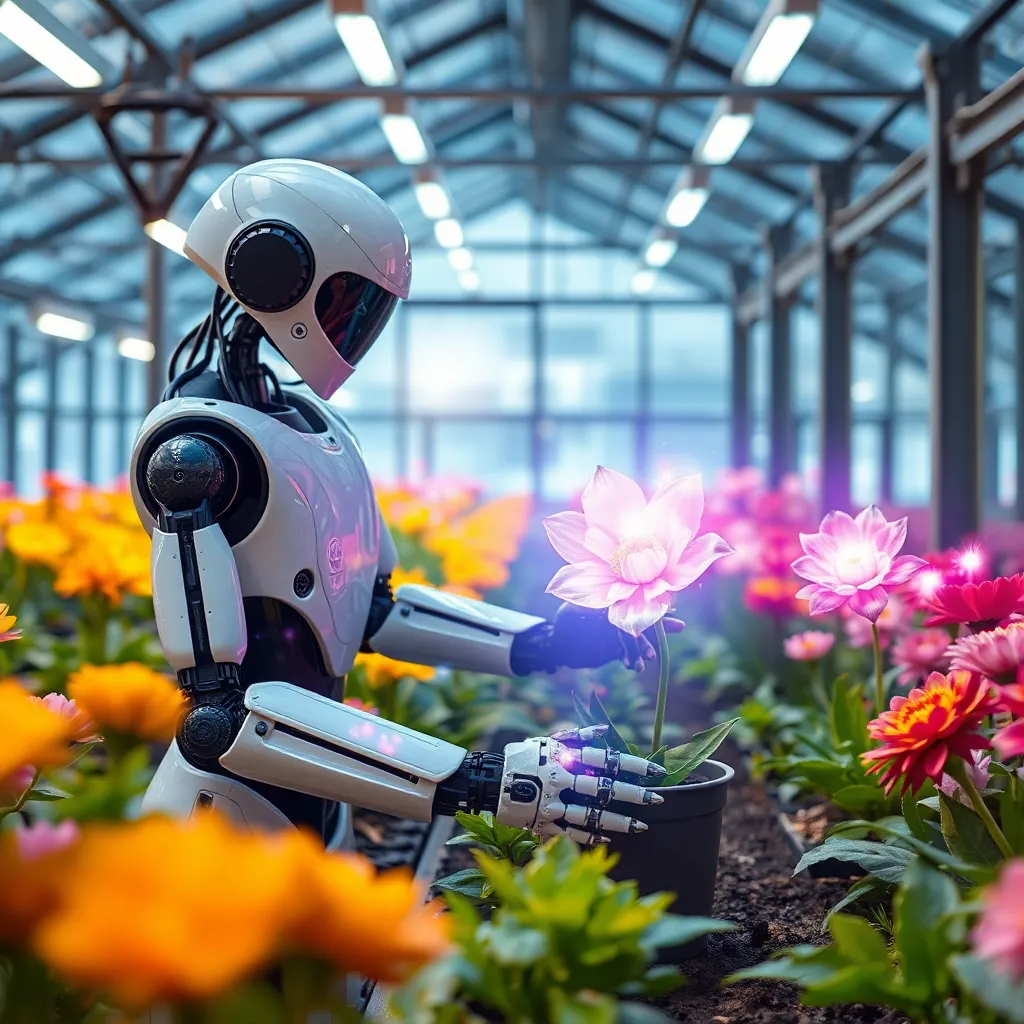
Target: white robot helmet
310, 253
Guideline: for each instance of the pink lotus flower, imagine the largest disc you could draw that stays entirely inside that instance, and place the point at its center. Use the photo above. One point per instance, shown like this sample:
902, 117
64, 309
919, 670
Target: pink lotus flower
999, 934
892, 620
812, 645
43, 837
630, 555
995, 654
853, 562
921, 653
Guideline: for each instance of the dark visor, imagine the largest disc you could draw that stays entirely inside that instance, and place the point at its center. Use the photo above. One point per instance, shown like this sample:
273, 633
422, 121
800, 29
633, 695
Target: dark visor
353, 311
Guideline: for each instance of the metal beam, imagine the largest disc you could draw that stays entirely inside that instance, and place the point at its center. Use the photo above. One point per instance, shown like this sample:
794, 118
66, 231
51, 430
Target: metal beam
778, 240
888, 445
739, 404
955, 308
835, 324
993, 121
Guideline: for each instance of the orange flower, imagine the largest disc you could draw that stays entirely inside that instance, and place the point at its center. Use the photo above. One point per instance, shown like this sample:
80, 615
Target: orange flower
772, 595
922, 730
28, 887
141, 917
39, 543
416, 575
6, 623
381, 671
111, 561
33, 734
130, 699
360, 921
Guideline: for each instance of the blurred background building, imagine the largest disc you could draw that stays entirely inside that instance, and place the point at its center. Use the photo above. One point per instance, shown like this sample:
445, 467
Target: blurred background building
662, 235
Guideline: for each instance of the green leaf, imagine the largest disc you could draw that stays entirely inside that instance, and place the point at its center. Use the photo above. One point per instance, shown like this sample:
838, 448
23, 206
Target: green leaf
848, 718
600, 716
1011, 818
887, 863
583, 715
912, 816
965, 833
471, 882
863, 887
674, 930
992, 988
511, 942
924, 899
859, 798
638, 1013
45, 794
682, 760
856, 940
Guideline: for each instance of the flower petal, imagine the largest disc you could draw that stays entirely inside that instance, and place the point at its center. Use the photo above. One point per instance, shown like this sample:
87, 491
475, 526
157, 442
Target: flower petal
840, 527
637, 614
612, 501
695, 559
811, 568
869, 603
822, 600
566, 532
598, 541
587, 584
870, 522
904, 568
679, 503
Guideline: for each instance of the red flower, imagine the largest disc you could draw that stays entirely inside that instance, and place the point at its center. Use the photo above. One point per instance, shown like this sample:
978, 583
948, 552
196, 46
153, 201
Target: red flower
922, 730
772, 595
980, 605
1009, 741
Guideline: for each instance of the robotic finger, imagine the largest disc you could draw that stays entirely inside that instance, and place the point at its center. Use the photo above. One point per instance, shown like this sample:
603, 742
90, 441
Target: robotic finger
604, 790
613, 762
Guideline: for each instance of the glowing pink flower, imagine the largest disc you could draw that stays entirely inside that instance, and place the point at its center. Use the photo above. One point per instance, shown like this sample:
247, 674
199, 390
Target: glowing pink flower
996, 653
999, 934
981, 606
853, 562
893, 620
812, 645
921, 653
630, 555
44, 837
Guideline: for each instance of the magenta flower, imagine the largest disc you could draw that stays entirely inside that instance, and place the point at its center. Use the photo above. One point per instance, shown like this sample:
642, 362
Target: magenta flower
999, 934
893, 620
995, 654
921, 653
630, 555
43, 837
812, 645
853, 562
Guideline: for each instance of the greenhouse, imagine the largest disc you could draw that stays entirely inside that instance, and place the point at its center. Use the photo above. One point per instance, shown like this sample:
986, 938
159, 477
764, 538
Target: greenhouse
511, 511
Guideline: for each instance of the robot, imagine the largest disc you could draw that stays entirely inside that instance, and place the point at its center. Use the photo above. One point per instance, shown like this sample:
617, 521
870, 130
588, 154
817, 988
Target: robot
271, 562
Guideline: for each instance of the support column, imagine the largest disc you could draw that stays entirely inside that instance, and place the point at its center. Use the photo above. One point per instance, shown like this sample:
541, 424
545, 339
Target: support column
955, 293
11, 409
156, 290
642, 438
781, 433
1018, 336
50, 411
739, 419
890, 330
89, 416
835, 319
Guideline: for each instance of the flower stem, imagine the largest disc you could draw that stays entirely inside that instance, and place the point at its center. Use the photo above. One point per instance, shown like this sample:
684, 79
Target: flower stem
659, 711
22, 800
879, 675
818, 686
958, 769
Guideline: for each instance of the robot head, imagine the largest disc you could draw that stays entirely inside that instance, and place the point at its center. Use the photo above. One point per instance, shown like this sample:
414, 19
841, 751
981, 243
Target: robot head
311, 254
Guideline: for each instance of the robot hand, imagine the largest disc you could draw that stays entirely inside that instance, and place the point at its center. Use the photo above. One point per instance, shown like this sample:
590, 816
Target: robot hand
582, 638
561, 784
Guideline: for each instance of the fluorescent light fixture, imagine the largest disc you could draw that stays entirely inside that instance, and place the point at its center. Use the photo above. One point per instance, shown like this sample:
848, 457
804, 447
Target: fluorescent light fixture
168, 234
433, 199
688, 196
643, 281
470, 280
362, 38
448, 233
32, 28
61, 325
460, 259
659, 251
405, 138
862, 391
775, 41
724, 133
136, 348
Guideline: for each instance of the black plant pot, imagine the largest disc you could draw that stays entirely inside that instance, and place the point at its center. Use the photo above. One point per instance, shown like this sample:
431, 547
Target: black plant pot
679, 853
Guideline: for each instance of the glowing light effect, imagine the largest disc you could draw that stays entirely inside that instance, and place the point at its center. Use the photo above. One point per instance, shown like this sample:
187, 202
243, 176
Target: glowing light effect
470, 280
367, 49
779, 44
660, 251
460, 259
136, 348
928, 582
685, 206
43, 46
448, 233
725, 137
643, 281
862, 391
566, 758
59, 326
404, 138
168, 234
971, 560
433, 200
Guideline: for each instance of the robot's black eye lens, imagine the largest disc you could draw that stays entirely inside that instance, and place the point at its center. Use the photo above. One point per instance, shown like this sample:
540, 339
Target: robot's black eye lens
352, 312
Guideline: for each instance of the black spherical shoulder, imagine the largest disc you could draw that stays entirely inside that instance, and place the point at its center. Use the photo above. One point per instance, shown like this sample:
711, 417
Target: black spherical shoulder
269, 266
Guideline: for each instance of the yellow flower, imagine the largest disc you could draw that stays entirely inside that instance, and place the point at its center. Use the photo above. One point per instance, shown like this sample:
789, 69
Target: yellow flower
6, 623
400, 576
33, 735
376, 925
381, 670
141, 914
111, 561
38, 543
130, 699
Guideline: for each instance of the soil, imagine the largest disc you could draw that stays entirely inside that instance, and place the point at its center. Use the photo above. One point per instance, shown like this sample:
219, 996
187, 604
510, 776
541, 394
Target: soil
756, 891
